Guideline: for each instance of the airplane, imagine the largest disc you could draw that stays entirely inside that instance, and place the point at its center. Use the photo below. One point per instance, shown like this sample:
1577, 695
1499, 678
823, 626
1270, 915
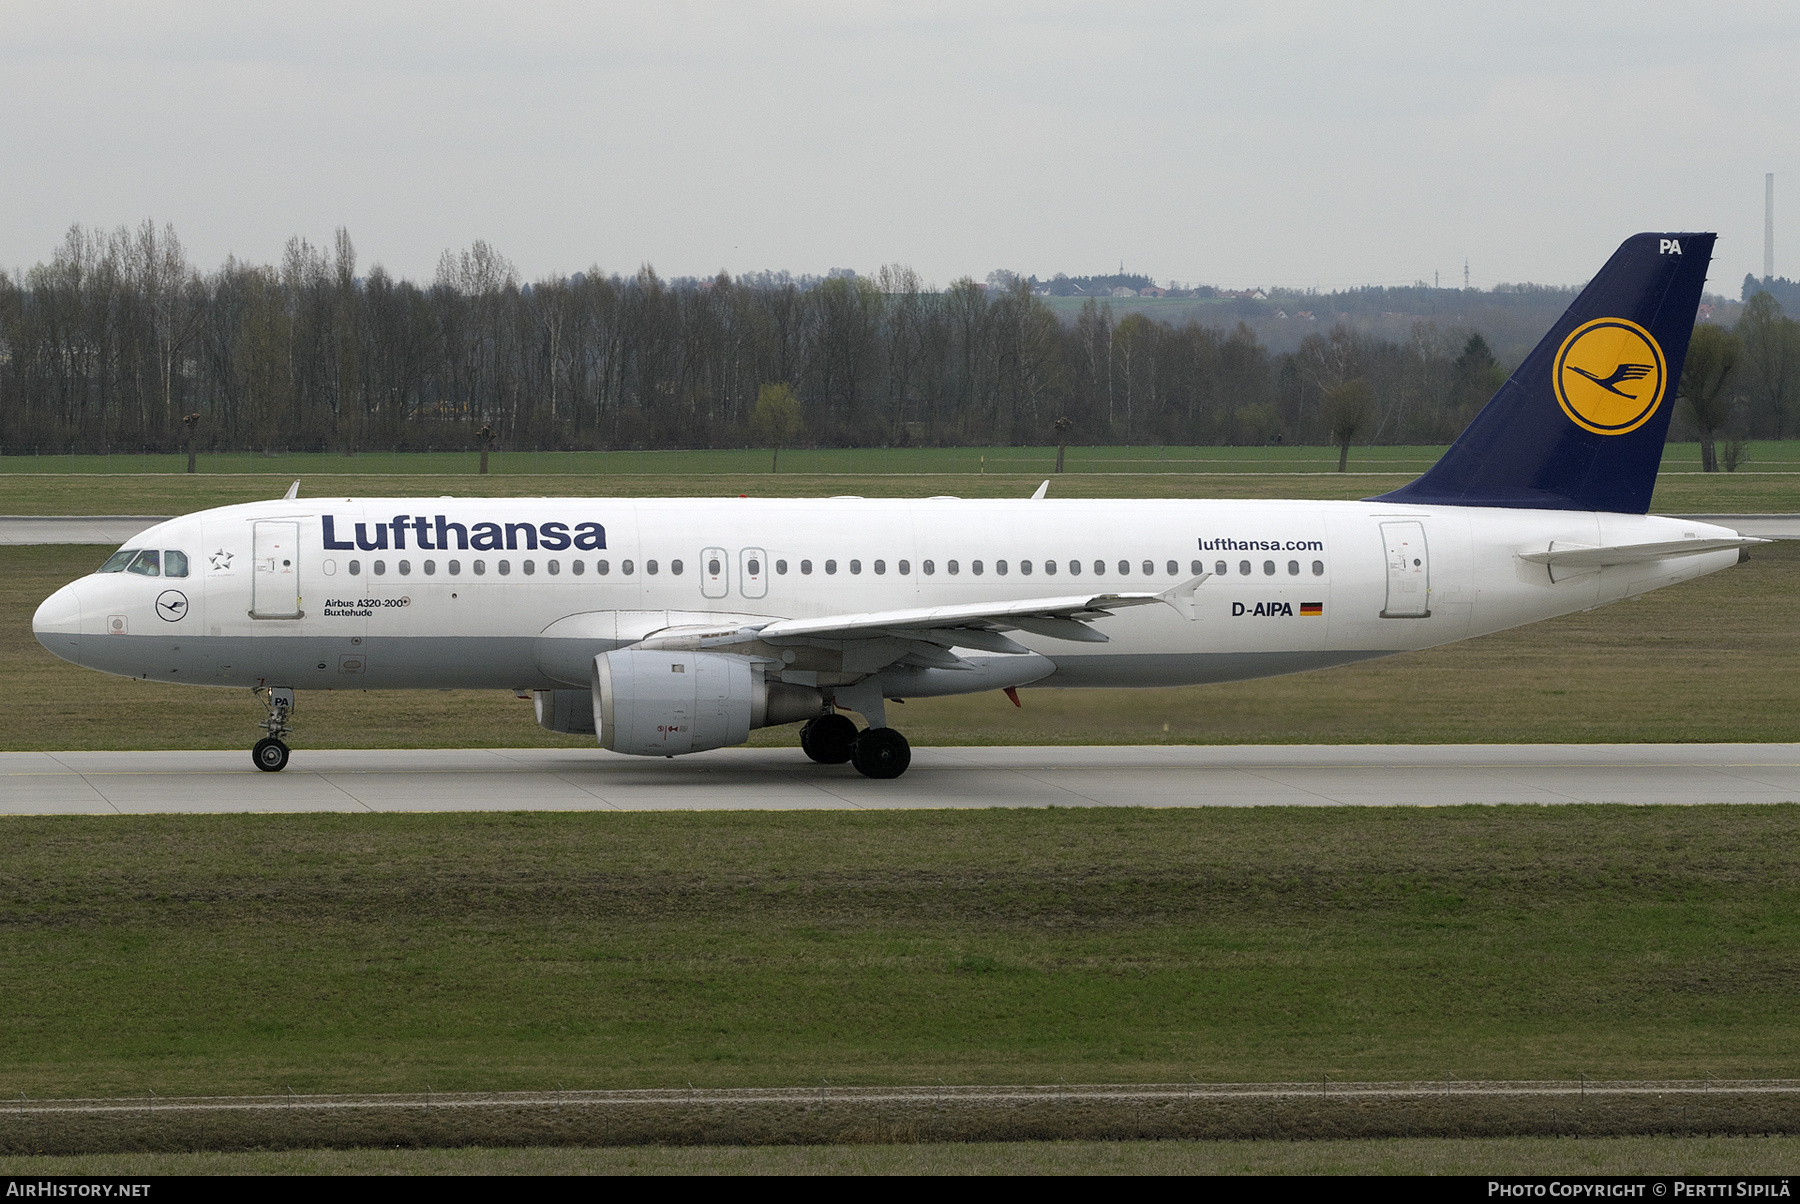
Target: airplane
666, 626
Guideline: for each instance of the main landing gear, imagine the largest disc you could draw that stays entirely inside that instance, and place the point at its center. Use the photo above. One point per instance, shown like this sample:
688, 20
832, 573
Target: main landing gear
270, 754
877, 752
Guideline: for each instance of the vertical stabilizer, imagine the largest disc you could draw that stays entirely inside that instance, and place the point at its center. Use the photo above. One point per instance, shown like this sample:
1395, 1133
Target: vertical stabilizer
1580, 425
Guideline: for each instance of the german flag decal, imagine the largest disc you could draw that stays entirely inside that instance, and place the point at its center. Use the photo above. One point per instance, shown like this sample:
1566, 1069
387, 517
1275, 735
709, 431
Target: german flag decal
1312, 608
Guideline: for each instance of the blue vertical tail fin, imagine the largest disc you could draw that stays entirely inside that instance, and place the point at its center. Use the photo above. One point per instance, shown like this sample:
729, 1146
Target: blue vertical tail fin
1580, 425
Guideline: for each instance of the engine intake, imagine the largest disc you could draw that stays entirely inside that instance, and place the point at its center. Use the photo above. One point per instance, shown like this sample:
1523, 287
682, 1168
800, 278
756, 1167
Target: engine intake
662, 704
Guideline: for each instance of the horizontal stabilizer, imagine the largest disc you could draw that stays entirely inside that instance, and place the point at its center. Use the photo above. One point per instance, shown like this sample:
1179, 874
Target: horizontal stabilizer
1633, 553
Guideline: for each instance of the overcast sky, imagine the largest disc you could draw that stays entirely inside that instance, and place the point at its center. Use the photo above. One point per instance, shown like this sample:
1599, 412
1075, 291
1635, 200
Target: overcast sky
1325, 144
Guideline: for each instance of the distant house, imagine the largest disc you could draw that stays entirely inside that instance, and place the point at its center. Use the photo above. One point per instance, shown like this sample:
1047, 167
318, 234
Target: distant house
1153, 291
1305, 315
1122, 291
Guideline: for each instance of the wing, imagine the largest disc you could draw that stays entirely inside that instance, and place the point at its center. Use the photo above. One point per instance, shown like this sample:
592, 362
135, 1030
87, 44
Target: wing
872, 640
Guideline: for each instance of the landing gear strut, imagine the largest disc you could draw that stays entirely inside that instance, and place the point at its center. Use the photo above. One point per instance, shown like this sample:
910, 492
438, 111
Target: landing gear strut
270, 754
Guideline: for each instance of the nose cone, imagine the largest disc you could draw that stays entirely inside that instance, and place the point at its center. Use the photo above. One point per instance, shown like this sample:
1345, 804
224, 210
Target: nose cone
57, 623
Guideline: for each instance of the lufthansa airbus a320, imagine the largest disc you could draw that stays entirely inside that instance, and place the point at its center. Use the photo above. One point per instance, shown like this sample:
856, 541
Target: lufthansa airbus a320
671, 626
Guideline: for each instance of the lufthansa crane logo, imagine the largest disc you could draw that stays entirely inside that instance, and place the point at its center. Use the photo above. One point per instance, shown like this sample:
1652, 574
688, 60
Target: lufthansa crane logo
1610, 376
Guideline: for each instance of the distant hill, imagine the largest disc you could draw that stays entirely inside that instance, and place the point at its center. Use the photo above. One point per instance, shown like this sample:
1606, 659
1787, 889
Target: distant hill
1785, 291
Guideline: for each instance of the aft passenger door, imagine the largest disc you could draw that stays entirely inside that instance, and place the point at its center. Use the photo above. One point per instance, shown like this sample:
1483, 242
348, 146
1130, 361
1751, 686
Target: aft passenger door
1408, 571
275, 572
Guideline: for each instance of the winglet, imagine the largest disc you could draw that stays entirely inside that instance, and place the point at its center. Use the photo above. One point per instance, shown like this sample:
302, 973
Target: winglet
292, 493
1041, 491
1181, 597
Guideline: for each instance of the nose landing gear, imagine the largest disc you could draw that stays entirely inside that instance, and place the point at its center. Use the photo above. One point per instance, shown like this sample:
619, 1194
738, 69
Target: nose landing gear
270, 754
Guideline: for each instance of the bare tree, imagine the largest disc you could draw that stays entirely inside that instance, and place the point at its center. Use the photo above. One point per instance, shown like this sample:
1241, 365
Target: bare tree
1712, 356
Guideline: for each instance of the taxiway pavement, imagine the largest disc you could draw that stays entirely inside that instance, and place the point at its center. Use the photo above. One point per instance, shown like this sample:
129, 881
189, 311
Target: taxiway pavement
105, 783
111, 529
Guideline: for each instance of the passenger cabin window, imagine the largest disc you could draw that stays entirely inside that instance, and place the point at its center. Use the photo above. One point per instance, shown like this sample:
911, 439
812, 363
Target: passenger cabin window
1124, 568
555, 566
602, 567
806, 568
1174, 569
1050, 567
975, 567
117, 561
880, 567
481, 568
1099, 568
781, 568
1293, 568
625, 567
530, 567
505, 567
675, 567
1195, 568
1243, 568
1268, 568
1074, 568
905, 568
1148, 568
430, 568
856, 566
930, 567
1221, 568
1000, 567
356, 568
952, 568
578, 567
1318, 568
831, 566
406, 568
381, 568
650, 567
147, 563
1025, 568
175, 564
455, 567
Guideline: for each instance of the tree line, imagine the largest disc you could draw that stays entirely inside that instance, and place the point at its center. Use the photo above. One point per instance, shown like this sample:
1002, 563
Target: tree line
119, 343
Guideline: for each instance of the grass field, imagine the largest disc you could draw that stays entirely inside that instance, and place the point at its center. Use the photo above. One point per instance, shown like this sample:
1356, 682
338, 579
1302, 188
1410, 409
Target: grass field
1514, 1156
250, 954
1765, 456
156, 484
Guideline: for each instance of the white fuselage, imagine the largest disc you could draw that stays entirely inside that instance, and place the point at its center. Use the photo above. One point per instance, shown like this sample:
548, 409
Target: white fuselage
1290, 585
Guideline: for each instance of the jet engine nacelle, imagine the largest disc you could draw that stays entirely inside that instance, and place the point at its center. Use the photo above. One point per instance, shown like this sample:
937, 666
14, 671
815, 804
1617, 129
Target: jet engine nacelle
568, 711
660, 704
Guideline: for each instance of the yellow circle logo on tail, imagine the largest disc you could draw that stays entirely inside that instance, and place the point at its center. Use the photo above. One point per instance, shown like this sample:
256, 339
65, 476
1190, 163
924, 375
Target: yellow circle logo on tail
1610, 376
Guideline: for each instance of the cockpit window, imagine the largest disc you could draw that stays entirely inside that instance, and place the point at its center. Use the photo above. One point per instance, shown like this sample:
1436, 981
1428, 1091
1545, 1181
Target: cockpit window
174, 564
117, 561
148, 563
